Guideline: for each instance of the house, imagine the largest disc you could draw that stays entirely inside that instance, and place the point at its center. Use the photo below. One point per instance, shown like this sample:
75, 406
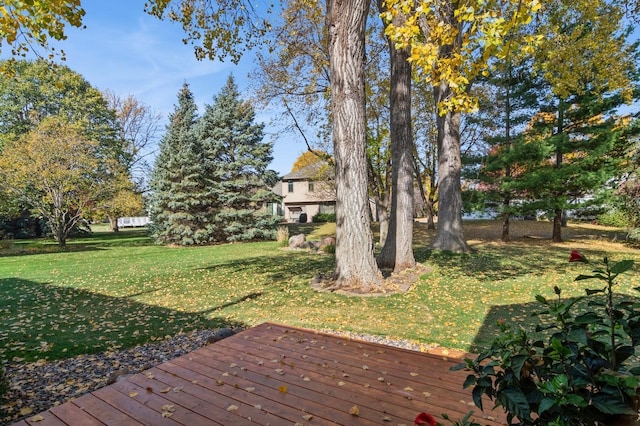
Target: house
306, 192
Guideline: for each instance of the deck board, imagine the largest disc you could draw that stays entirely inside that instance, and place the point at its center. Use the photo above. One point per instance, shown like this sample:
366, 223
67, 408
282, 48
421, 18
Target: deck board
278, 375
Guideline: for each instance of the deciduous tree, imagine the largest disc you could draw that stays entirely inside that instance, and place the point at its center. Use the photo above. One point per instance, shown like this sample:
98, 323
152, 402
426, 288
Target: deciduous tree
27, 24
55, 170
451, 44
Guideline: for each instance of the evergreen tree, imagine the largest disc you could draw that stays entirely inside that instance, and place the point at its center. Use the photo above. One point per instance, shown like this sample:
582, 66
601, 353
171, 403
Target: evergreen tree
235, 161
178, 202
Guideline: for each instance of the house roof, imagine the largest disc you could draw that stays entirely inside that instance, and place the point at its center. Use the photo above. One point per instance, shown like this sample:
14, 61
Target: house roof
308, 172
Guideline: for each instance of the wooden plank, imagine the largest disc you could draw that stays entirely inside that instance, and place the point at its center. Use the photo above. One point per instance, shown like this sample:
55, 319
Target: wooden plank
99, 409
131, 407
71, 414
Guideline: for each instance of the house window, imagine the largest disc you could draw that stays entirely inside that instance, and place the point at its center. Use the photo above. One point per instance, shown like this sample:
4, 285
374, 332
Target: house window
310, 186
290, 186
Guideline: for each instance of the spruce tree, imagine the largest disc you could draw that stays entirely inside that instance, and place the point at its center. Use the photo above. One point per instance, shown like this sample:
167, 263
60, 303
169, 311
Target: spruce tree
179, 200
235, 161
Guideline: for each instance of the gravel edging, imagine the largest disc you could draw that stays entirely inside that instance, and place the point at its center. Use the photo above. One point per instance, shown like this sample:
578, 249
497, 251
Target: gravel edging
37, 386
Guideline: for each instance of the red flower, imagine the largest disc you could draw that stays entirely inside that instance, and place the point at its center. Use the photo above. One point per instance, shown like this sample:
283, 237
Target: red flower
425, 419
576, 256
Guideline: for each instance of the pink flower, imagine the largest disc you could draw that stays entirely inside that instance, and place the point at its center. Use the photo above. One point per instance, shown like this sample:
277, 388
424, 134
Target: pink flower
425, 419
576, 256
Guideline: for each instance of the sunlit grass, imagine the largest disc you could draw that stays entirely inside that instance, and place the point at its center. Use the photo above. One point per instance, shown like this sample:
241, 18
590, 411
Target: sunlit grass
118, 290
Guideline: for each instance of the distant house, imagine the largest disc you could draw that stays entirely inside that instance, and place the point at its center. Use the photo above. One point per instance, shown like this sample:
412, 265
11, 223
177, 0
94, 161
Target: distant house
308, 191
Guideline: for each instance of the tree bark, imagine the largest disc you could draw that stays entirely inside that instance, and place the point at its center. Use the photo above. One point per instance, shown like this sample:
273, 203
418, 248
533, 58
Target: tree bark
113, 224
556, 236
557, 226
355, 263
397, 253
449, 233
382, 205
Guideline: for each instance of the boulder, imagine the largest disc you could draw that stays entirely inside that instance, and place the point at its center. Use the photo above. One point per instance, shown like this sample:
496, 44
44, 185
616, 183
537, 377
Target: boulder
297, 240
328, 241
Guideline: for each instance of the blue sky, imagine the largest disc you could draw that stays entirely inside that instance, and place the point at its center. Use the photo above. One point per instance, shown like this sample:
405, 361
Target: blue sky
129, 52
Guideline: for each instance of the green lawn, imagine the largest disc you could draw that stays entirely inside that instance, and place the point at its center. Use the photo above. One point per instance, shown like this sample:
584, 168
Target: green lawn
118, 290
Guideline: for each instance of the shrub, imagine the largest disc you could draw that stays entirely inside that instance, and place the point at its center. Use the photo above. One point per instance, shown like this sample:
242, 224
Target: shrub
282, 236
329, 249
614, 217
582, 373
324, 218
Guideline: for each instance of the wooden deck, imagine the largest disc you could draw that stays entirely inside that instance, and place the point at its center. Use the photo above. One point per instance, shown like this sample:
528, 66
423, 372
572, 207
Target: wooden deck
277, 375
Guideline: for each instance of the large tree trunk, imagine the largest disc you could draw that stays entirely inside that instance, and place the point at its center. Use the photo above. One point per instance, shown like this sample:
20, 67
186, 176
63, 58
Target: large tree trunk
557, 226
449, 234
355, 264
397, 253
382, 206
113, 224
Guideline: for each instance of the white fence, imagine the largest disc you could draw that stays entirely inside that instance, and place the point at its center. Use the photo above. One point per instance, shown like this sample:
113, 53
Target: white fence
132, 222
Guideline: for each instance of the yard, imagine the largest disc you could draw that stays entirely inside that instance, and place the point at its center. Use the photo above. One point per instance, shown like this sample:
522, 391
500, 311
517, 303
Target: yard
117, 290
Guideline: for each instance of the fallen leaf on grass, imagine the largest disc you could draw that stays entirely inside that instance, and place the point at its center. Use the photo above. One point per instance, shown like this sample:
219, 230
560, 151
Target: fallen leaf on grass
26, 411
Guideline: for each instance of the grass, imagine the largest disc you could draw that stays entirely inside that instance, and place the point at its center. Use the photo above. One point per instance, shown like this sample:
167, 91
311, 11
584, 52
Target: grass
117, 290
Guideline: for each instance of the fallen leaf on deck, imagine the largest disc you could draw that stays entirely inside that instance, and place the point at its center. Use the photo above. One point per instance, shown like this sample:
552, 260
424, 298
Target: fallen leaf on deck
232, 408
282, 389
413, 374
280, 371
365, 367
37, 418
177, 389
250, 389
355, 411
133, 394
165, 390
168, 407
307, 417
341, 383
306, 379
409, 389
166, 414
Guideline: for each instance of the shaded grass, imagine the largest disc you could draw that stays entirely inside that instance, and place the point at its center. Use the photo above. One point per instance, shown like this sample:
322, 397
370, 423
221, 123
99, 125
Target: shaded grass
118, 290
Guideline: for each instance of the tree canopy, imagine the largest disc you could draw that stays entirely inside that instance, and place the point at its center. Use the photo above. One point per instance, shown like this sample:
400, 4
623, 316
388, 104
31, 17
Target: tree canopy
25, 24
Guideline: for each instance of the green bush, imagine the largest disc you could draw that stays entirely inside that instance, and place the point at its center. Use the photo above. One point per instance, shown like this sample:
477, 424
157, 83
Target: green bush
583, 372
614, 217
324, 218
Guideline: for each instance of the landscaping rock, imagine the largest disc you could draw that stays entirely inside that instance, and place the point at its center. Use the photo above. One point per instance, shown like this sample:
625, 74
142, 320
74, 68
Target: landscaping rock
328, 241
297, 240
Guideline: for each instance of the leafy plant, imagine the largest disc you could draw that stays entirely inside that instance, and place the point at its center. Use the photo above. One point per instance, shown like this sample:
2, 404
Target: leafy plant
324, 218
581, 373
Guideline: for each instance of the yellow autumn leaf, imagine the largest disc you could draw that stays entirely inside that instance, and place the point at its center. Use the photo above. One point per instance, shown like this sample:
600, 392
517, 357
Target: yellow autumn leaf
168, 407
36, 418
282, 389
232, 408
165, 390
26, 411
354, 411
133, 394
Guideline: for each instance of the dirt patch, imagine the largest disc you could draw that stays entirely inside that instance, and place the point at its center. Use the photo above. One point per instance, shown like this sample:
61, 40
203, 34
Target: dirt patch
394, 283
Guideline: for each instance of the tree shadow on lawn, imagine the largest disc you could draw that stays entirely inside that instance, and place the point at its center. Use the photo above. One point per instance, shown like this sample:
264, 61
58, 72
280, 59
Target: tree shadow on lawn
522, 315
284, 266
498, 262
41, 320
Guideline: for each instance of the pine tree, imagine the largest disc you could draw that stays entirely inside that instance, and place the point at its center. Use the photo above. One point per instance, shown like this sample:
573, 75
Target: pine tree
235, 161
179, 200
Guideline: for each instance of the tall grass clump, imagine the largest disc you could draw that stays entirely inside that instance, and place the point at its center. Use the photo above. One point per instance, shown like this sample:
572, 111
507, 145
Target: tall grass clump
282, 236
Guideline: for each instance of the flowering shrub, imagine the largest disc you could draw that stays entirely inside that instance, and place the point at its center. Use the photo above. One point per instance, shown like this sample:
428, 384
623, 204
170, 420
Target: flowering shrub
582, 373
